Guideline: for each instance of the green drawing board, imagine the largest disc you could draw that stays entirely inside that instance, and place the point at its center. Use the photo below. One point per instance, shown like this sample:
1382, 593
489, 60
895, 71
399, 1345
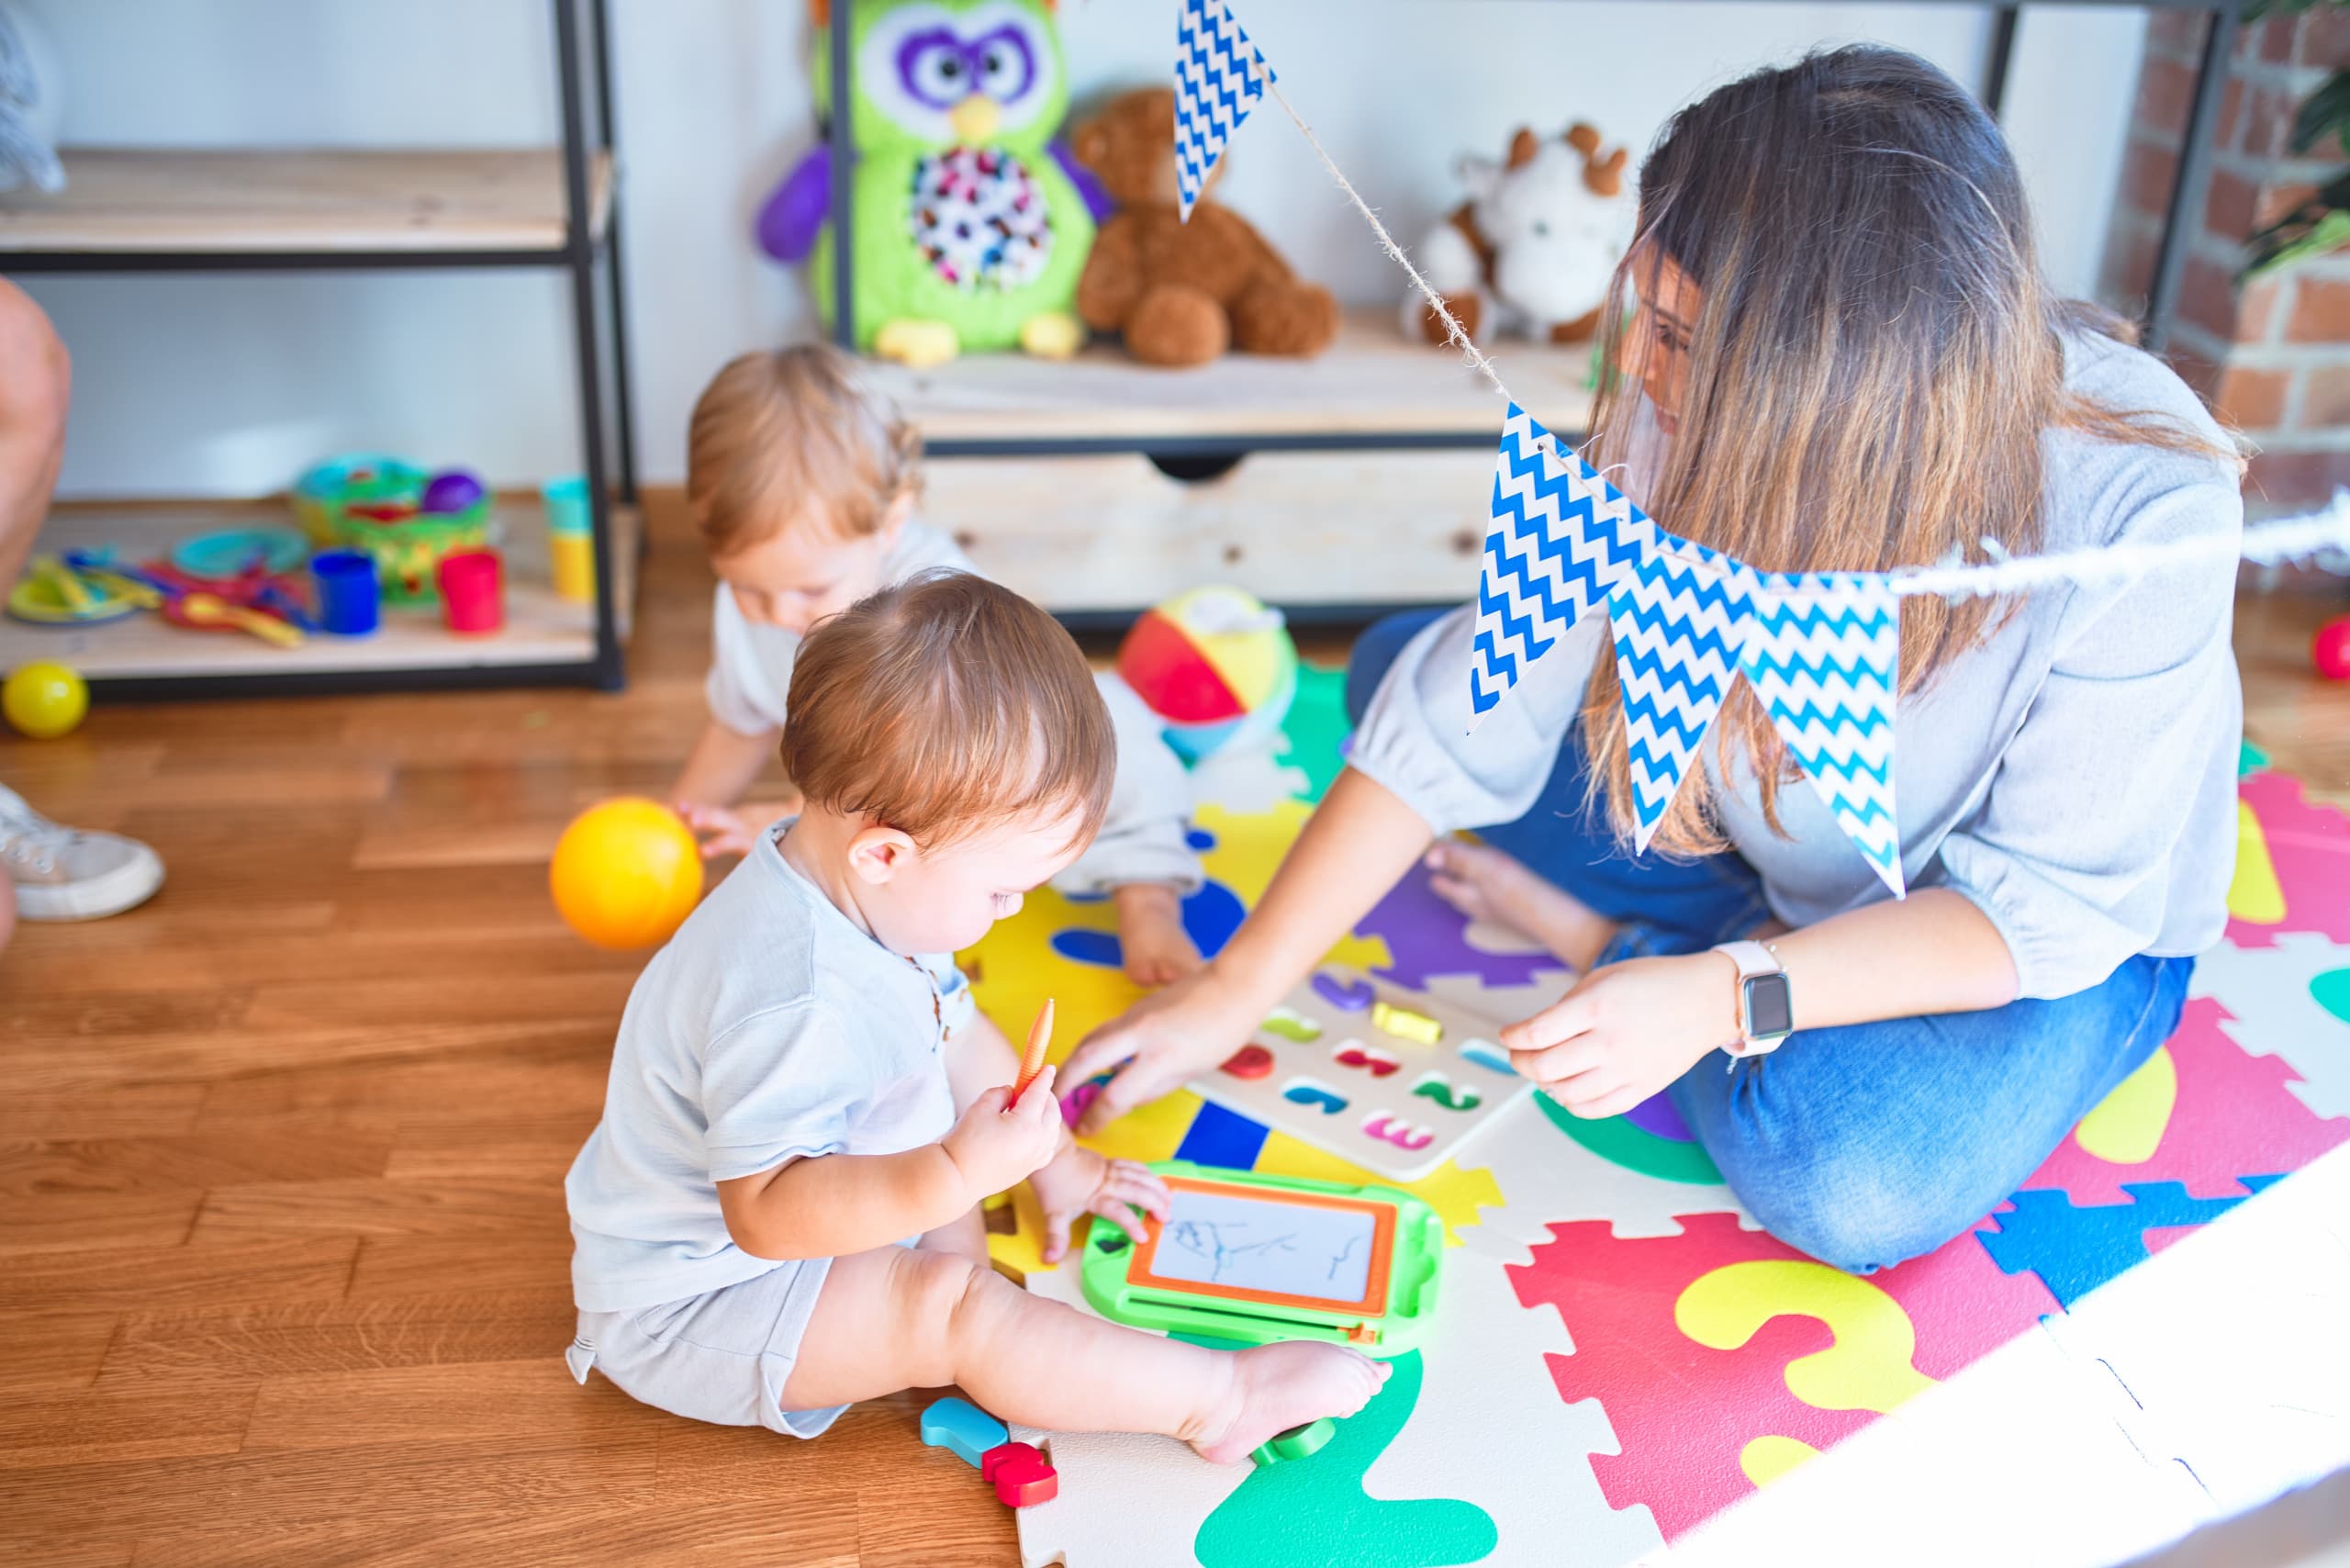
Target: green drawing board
1255, 1259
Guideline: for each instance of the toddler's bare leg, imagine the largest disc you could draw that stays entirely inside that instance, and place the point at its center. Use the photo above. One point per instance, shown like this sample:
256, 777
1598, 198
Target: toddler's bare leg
965, 1235
900, 1317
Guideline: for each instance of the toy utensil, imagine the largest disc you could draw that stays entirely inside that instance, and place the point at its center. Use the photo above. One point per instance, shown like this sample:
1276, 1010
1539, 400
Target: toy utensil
1040, 1035
209, 609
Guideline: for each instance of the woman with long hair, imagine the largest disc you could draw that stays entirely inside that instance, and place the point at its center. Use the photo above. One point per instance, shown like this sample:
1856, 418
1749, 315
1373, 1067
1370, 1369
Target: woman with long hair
1835, 352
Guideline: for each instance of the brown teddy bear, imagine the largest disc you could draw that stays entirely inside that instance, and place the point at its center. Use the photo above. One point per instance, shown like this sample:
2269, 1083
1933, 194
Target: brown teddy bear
1182, 293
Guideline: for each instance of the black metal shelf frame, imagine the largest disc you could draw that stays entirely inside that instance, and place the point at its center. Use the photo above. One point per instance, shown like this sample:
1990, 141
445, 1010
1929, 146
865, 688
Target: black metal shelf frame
589, 256
2189, 187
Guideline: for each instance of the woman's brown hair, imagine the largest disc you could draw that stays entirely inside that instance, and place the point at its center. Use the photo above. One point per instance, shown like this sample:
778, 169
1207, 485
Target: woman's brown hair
1875, 359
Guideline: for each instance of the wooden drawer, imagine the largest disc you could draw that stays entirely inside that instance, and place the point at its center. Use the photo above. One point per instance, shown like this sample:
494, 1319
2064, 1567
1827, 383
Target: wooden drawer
1300, 529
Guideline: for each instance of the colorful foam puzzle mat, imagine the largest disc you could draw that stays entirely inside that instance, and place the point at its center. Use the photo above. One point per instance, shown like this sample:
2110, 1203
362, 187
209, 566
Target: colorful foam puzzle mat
1620, 1352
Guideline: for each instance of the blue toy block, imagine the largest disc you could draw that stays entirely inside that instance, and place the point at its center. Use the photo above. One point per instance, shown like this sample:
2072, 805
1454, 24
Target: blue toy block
959, 1425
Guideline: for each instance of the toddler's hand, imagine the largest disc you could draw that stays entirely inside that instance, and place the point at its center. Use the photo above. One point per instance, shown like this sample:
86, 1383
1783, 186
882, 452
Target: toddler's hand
722, 832
995, 1146
1080, 1182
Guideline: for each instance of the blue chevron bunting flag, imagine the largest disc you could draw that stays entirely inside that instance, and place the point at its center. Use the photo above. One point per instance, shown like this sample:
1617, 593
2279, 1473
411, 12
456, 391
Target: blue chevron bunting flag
1560, 536
1679, 615
1219, 77
1823, 652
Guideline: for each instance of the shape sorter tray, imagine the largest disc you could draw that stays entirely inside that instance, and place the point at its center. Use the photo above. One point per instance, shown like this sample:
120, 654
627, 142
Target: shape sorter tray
1392, 1080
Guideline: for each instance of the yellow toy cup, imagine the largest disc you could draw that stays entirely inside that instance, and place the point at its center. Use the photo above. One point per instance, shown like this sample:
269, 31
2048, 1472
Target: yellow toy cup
571, 547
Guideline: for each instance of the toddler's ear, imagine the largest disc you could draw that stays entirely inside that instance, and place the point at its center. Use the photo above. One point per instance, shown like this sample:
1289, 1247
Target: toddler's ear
894, 520
876, 854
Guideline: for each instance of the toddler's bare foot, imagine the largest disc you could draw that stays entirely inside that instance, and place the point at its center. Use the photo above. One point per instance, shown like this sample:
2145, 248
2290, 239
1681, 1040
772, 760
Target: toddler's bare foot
1275, 1387
1485, 884
1157, 949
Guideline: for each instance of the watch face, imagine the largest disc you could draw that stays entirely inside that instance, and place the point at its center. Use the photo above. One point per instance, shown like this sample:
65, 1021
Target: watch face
1770, 1010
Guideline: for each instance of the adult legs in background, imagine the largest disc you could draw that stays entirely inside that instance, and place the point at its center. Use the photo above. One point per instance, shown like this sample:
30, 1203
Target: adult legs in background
1557, 874
1866, 1144
54, 872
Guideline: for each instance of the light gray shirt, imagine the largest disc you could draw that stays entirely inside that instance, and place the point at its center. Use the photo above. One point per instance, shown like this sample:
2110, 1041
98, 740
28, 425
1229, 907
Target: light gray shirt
769, 1028
1143, 837
2073, 776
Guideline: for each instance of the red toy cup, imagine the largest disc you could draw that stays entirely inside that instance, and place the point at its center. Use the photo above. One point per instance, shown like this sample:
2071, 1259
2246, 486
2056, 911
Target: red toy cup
471, 594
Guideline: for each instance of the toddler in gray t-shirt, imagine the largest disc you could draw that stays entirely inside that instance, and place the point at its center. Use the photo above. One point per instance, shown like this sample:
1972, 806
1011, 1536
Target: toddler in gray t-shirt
777, 1216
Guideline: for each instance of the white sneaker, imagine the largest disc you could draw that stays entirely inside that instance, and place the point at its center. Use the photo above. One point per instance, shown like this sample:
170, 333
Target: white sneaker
61, 873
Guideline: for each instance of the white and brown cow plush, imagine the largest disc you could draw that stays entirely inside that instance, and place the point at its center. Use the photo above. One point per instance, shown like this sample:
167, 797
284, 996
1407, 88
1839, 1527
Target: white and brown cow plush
1530, 251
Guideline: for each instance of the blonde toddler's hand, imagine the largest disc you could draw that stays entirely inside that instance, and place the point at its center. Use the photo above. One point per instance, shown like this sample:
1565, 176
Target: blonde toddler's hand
996, 1145
1081, 1183
722, 832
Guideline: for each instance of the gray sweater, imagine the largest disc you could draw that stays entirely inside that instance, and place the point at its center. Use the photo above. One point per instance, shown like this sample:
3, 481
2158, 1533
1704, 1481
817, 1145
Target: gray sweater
2073, 776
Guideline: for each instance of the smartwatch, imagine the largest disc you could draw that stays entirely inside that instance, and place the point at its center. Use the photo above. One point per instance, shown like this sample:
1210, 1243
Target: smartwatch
1766, 1006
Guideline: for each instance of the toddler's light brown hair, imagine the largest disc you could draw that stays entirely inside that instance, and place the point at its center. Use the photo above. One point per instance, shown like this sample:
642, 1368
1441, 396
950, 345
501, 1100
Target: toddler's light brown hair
943, 704
794, 432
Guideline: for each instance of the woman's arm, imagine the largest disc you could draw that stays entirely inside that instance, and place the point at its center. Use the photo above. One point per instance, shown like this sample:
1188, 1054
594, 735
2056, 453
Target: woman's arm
1631, 1029
1358, 841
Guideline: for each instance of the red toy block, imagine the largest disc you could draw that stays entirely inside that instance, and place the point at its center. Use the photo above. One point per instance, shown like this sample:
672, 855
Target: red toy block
1020, 1475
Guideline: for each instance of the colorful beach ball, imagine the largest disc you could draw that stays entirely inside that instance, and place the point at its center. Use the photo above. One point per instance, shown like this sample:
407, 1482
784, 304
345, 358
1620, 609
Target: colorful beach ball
1217, 665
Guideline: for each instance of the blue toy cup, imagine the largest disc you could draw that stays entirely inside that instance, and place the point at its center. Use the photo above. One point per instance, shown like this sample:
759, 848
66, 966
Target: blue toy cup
567, 503
348, 596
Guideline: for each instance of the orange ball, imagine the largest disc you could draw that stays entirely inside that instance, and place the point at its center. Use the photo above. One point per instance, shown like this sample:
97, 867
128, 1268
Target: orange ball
626, 873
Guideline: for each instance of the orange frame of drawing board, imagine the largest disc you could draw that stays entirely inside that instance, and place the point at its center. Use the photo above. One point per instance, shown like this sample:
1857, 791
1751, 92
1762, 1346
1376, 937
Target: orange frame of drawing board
1373, 1303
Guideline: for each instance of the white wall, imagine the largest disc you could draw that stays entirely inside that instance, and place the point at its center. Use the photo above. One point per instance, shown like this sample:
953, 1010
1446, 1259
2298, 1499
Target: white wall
202, 385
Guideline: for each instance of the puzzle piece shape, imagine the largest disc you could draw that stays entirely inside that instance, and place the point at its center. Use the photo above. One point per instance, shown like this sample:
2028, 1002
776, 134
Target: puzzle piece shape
1019, 1474
1483, 1378
2231, 1112
1346, 995
1686, 1410
1313, 1513
2308, 847
2283, 1000
962, 1427
2075, 1249
1623, 1141
1249, 1061
1429, 937
1405, 1023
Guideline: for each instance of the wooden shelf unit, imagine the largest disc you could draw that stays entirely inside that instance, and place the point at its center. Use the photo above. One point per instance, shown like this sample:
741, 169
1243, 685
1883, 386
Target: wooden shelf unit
256, 203
542, 633
136, 210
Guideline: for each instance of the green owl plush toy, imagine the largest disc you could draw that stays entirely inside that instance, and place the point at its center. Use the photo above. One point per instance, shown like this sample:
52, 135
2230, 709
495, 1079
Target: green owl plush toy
970, 223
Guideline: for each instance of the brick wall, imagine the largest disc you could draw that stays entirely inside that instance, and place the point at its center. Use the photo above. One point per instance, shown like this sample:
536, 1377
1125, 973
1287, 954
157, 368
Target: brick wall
2274, 357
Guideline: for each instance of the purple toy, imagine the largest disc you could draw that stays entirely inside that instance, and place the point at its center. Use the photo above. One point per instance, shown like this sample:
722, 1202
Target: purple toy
451, 491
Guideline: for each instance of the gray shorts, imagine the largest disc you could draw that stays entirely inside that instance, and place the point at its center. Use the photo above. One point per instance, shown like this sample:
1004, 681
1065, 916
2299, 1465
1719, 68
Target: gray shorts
722, 1357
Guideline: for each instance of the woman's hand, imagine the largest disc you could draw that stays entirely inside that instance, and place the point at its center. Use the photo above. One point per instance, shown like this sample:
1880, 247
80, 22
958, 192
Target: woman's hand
1169, 1035
1079, 1182
1628, 1031
720, 831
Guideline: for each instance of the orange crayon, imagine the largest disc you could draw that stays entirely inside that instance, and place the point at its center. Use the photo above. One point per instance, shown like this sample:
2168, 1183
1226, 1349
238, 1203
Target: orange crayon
1040, 1035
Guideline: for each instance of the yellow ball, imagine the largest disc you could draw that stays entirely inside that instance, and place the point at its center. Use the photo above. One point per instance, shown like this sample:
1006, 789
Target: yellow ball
626, 873
44, 699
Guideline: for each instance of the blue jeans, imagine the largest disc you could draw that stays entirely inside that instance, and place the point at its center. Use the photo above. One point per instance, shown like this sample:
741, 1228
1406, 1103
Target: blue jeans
1863, 1145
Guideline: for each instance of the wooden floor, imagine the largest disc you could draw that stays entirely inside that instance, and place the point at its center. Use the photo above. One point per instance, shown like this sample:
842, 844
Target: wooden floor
282, 1240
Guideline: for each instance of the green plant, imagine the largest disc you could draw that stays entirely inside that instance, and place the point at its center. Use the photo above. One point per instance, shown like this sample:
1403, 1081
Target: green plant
2321, 222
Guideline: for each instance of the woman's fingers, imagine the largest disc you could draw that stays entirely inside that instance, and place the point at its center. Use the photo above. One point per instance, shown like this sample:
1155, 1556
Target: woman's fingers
1614, 1102
1554, 1065
1104, 1049
1571, 1015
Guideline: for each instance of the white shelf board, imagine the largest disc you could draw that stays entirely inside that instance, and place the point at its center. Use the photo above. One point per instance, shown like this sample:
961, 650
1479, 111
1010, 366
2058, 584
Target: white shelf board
1373, 381
128, 201
540, 629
